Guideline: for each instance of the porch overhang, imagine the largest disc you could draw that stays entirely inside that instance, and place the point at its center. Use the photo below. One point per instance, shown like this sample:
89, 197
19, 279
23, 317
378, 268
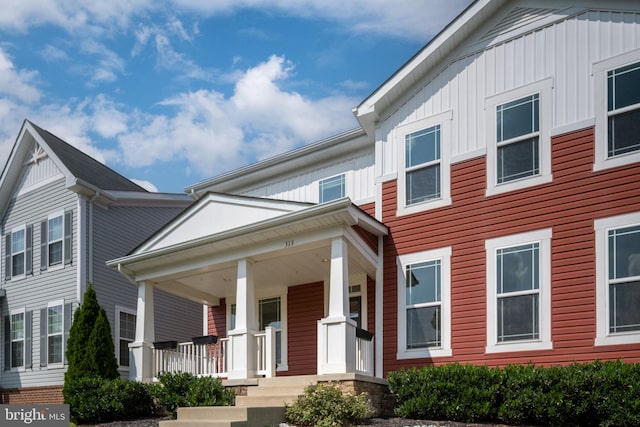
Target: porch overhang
289, 249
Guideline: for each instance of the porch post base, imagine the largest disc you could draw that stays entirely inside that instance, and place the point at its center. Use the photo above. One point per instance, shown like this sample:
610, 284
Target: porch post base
242, 354
141, 367
336, 345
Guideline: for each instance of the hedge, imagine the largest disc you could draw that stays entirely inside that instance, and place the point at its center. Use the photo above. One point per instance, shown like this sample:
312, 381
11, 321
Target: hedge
595, 394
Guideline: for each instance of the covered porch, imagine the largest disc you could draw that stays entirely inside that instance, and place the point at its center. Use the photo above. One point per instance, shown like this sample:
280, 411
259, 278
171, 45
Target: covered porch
289, 289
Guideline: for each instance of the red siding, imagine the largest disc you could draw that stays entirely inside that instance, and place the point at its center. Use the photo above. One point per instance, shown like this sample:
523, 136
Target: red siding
305, 306
217, 320
568, 205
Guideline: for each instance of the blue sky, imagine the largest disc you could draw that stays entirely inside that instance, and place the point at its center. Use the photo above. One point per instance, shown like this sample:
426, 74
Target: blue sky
172, 92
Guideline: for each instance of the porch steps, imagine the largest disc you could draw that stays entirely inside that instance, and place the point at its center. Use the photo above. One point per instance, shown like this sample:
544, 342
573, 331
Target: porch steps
263, 406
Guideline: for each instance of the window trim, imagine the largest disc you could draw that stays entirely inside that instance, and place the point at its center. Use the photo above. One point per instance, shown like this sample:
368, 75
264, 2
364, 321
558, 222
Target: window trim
13, 312
544, 88
133, 312
49, 305
343, 176
444, 121
543, 238
24, 252
602, 227
60, 264
600, 70
402, 261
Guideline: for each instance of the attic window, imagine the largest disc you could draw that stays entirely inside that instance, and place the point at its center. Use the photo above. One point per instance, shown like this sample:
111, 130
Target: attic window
37, 154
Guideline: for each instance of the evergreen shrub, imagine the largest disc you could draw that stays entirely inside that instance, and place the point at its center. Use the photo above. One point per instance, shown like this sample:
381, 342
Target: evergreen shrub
185, 390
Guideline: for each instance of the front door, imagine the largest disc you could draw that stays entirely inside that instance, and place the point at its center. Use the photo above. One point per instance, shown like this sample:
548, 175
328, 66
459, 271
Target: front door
269, 314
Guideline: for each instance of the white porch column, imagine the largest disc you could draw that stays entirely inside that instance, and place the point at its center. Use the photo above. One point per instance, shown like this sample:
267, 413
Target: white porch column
242, 363
337, 333
140, 353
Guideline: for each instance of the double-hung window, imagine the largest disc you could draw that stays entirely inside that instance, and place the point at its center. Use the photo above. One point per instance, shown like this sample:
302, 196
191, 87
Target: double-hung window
618, 279
423, 171
55, 236
424, 304
54, 332
332, 188
17, 339
617, 110
55, 241
18, 255
518, 141
126, 328
518, 292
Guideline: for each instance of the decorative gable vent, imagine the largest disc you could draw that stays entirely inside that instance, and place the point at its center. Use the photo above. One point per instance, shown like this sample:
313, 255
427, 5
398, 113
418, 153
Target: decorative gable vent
38, 170
517, 18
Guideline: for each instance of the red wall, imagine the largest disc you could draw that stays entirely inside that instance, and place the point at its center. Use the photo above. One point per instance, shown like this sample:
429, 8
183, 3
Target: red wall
217, 321
568, 205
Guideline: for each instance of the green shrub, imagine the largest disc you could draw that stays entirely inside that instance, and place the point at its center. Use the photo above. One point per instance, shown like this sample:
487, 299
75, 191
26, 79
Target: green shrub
96, 400
325, 405
183, 389
596, 394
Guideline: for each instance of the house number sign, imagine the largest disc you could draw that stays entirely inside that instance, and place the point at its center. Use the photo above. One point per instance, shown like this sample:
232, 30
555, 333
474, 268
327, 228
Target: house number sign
288, 243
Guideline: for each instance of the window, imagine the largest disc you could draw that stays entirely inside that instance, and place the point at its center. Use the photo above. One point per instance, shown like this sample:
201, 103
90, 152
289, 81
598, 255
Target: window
519, 148
18, 238
424, 321
355, 304
617, 109
126, 328
55, 341
518, 136
55, 240
424, 164
518, 292
269, 315
618, 279
17, 339
332, 188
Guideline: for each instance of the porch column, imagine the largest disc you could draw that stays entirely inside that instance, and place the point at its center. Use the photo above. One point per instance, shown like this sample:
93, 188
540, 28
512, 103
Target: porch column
141, 366
337, 332
242, 363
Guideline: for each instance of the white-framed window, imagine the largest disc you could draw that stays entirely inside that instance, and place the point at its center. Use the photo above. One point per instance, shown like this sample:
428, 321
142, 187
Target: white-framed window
332, 188
617, 110
55, 330
618, 279
126, 328
518, 138
55, 235
519, 292
18, 251
18, 334
424, 164
424, 304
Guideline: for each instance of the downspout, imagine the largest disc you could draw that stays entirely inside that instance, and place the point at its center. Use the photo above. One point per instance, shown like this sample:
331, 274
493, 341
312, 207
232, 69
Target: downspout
95, 196
126, 275
379, 310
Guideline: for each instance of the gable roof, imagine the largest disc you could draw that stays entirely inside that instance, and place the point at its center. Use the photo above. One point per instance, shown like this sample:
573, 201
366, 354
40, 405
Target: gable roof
85, 167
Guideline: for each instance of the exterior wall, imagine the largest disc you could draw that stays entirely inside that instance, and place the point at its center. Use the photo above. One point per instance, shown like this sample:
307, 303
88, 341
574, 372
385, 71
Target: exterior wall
303, 186
40, 395
217, 319
116, 231
304, 309
562, 48
474, 218
33, 292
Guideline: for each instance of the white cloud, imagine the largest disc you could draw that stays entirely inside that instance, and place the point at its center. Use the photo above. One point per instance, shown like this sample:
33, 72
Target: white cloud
108, 66
17, 84
145, 184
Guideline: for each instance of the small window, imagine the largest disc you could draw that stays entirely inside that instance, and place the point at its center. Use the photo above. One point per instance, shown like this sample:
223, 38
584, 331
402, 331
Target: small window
424, 304
17, 339
18, 252
127, 335
332, 188
54, 334
518, 133
55, 237
422, 165
269, 315
623, 110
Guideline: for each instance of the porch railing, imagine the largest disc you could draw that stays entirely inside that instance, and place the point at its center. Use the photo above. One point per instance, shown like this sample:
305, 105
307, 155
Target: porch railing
266, 352
203, 356
364, 352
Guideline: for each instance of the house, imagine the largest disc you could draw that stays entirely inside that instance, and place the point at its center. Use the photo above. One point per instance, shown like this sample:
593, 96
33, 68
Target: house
487, 211
63, 215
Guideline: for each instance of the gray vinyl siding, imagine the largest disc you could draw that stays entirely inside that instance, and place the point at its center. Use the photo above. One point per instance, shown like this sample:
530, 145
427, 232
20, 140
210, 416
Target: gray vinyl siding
118, 230
33, 292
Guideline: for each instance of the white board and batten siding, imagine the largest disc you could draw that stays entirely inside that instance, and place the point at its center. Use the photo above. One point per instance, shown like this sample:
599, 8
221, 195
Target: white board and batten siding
34, 292
116, 231
304, 185
523, 46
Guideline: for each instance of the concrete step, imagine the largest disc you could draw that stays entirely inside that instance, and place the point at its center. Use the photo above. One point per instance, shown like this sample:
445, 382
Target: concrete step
284, 390
264, 401
227, 416
302, 381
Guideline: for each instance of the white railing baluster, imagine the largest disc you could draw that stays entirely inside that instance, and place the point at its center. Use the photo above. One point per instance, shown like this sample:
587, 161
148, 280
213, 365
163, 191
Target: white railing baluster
196, 359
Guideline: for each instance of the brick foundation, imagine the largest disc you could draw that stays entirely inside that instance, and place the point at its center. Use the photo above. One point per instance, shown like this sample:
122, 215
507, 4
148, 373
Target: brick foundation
49, 394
